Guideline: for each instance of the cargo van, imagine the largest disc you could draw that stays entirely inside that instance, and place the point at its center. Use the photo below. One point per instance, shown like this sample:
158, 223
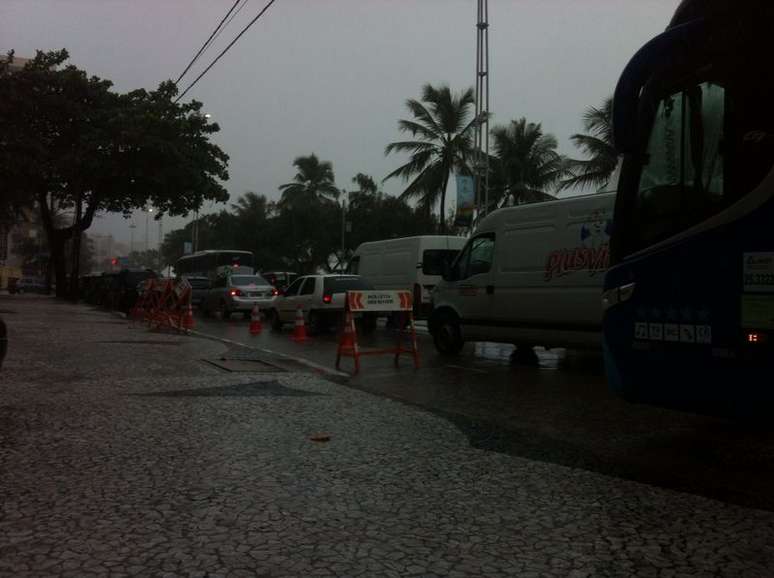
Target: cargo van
414, 263
530, 275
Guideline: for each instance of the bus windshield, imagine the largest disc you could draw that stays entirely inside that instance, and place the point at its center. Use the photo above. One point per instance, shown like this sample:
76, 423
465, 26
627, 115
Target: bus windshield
682, 179
700, 149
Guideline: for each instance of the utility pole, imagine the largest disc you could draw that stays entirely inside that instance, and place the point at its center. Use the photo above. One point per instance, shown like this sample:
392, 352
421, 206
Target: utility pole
132, 227
343, 229
482, 109
195, 232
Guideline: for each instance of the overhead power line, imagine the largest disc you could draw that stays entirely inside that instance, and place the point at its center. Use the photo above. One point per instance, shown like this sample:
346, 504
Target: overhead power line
226, 49
209, 40
234, 15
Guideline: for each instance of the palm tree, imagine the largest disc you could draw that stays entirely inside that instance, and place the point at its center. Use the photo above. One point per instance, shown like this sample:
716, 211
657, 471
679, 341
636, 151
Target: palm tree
525, 163
597, 144
443, 143
250, 206
314, 181
365, 183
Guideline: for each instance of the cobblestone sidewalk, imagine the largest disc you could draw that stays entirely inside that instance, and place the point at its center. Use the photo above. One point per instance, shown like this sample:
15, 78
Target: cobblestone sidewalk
123, 454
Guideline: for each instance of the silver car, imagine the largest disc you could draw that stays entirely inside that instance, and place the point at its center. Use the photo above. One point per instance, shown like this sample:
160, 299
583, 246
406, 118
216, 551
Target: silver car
238, 294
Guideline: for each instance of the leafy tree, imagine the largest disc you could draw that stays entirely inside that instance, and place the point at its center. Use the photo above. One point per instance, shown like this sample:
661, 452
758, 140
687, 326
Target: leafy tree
442, 129
525, 164
597, 144
70, 143
313, 181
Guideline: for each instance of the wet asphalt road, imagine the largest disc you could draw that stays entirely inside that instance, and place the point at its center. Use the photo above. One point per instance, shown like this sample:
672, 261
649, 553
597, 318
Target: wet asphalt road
559, 413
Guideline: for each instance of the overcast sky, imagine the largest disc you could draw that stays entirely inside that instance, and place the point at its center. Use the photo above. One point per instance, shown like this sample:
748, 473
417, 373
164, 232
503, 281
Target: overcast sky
331, 76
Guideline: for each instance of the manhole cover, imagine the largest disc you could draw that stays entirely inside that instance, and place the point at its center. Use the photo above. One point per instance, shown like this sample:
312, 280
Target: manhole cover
244, 365
254, 389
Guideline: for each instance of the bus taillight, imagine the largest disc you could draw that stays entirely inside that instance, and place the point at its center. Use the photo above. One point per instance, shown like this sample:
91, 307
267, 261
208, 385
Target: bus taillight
755, 338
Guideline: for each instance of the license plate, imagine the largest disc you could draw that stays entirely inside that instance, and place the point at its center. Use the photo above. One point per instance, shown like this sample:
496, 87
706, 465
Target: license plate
252, 294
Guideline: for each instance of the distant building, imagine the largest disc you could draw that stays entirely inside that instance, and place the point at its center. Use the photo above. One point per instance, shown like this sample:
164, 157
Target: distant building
20, 232
23, 248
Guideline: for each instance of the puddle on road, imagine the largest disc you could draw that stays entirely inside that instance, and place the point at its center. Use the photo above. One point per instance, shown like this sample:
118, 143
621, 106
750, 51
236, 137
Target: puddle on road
502, 352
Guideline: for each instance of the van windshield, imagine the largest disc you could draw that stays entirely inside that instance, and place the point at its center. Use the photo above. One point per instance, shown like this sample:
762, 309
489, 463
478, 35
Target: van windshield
433, 260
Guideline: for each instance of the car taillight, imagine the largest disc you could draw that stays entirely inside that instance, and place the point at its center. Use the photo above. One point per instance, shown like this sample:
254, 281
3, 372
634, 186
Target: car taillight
274, 291
235, 293
327, 298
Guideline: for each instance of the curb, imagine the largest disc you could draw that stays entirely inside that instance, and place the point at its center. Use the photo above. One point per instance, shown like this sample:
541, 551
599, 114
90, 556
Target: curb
310, 364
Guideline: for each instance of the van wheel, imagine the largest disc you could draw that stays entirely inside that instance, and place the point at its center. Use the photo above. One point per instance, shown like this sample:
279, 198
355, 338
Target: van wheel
446, 334
525, 355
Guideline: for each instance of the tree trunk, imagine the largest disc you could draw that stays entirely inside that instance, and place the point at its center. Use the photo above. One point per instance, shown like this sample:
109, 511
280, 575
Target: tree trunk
442, 223
57, 249
75, 263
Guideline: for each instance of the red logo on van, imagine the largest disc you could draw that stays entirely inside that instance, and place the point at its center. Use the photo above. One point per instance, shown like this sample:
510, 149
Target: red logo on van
564, 261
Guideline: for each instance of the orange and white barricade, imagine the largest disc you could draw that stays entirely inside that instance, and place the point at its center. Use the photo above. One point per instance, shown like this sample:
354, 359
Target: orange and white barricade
378, 302
165, 303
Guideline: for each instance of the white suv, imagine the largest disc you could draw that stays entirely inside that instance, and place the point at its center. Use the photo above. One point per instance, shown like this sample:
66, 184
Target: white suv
320, 297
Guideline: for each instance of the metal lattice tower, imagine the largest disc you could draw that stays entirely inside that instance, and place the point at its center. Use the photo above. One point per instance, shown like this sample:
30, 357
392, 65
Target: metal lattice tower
482, 109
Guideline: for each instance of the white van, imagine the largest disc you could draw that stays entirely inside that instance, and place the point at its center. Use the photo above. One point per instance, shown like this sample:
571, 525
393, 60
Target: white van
415, 263
530, 275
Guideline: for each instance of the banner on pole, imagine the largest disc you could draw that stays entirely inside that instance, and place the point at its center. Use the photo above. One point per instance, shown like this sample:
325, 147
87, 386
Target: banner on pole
466, 200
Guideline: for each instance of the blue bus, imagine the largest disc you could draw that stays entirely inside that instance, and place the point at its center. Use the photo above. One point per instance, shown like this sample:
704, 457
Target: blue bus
689, 296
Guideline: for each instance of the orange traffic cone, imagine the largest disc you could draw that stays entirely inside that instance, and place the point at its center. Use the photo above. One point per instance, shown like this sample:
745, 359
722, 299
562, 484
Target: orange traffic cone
255, 321
188, 319
299, 331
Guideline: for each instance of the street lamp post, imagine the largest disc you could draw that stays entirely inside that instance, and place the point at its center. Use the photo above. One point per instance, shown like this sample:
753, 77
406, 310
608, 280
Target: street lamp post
344, 197
132, 227
147, 220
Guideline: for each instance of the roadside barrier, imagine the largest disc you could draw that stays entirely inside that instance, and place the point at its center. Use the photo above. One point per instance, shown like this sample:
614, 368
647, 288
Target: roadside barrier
255, 321
299, 331
378, 302
164, 303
